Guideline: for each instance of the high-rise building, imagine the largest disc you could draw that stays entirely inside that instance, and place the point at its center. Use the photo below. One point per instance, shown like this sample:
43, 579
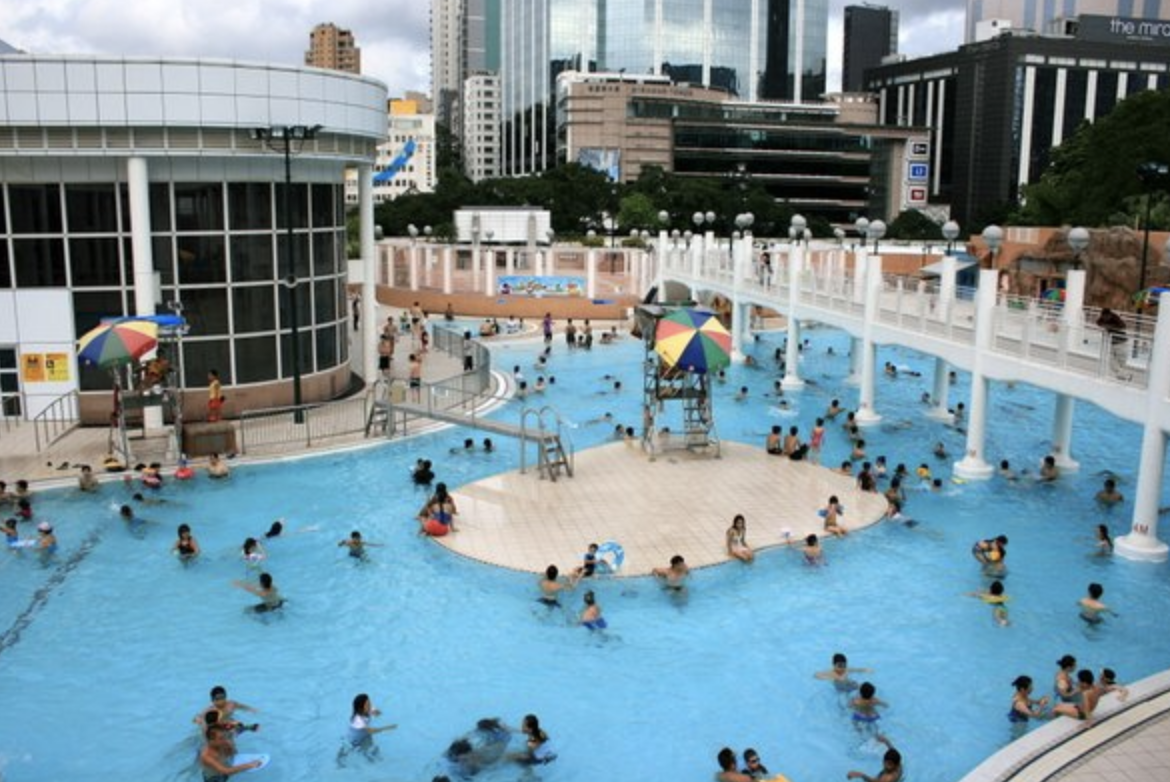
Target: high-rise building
751, 49
446, 58
996, 109
871, 33
1052, 16
480, 139
333, 48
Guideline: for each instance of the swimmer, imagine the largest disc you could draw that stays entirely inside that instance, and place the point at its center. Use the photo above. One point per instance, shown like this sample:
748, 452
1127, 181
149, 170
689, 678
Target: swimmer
355, 544
727, 773
217, 467
224, 710
865, 708
813, 553
186, 548
275, 530
923, 472
1049, 472
361, 734
891, 765
1093, 610
834, 410
551, 587
46, 540
1024, 706
137, 497
753, 766
773, 444
816, 440
1063, 689
673, 577
995, 597
253, 553
488, 446
991, 552
1104, 542
11, 536
1006, 472
538, 748
269, 595
1107, 682
87, 481
742, 394
1086, 701
215, 757
736, 540
1109, 495
839, 673
940, 450
591, 617
422, 474
437, 517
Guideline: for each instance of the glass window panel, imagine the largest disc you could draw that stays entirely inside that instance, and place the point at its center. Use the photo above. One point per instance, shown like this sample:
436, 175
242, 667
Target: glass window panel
338, 205
202, 356
327, 347
7, 358
306, 352
88, 310
323, 204
206, 310
91, 208
163, 259
325, 301
95, 262
304, 306
339, 259
160, 207
256, 359
344, 351
252, 258
3, 214
40, 263
198, 206
5, 267
298, 205
201, 259
250, 205
323, 254
301, 245
253, 309
124, 205
8, 383
36, 209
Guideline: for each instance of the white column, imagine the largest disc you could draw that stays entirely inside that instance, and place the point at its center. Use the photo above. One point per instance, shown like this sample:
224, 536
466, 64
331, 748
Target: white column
973, 466
489, 272
550, 260
538, 263
1062, 421
866, 414
1142, 541
696, 250
740, 311
940, 392
1028, 104
447, 263
792, 380
591, 273
475, 258
946, 288
739, 318
369, 251
428, 262
854, 378
1074, 307
412, 258
509, 261
1058, 106
138, 181
1091, 96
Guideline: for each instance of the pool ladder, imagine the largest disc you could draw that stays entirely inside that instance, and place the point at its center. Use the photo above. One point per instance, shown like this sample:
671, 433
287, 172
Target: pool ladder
551, 455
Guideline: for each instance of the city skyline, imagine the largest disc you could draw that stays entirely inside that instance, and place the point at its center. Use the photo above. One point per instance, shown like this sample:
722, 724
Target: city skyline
394, 36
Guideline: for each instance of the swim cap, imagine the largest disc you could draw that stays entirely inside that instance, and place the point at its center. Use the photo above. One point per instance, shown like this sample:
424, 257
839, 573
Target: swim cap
45, 526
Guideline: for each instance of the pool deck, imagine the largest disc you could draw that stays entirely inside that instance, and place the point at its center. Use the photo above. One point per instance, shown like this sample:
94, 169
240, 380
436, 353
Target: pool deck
678, 503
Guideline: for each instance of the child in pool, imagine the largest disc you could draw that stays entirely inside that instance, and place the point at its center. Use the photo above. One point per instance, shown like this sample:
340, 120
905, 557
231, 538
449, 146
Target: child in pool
865, 707
839, 673
995, 597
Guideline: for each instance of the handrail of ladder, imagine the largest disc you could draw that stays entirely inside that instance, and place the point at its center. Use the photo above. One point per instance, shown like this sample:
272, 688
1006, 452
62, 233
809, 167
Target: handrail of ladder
59, 418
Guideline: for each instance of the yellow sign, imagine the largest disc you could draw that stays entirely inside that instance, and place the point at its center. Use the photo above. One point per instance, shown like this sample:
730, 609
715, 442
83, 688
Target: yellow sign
32, 367
57, 367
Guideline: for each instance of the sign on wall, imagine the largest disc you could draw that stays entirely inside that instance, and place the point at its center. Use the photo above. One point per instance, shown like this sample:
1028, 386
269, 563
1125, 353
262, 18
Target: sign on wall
44, 367
57, 367
1123, 29
917, 172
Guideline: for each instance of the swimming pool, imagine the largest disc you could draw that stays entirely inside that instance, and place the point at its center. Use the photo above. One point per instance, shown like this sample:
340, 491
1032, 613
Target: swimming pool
109, 651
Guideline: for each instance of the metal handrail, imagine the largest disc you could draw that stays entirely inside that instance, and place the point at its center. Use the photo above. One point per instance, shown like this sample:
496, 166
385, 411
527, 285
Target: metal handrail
59, 418
321, 421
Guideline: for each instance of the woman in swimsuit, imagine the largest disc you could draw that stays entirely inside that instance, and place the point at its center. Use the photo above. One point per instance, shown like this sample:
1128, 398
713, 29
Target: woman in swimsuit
186, 547
991, 552
437, 517
1087, 697
1063, 688
1024, 706
737, 545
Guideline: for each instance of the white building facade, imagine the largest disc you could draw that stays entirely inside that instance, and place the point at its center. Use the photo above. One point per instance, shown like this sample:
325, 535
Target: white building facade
136, 186
481, 126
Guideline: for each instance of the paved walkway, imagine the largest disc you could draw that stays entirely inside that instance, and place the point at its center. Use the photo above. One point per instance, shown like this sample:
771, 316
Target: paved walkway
653, 509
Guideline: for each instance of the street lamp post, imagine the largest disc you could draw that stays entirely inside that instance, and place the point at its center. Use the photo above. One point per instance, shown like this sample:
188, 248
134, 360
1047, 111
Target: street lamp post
876, 229
1152, 175
950, 232
862, 226
280, 138
993, 235
1078, 240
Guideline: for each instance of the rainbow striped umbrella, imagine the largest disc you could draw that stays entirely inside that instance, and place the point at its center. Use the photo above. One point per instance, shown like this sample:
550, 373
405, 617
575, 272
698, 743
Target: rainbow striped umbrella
114, 344
693, 340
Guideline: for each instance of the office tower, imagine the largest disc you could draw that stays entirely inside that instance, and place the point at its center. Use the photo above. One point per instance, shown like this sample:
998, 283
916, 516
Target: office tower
446, 58
1049, 16
480, 139
871, 33
750, 49
333, 48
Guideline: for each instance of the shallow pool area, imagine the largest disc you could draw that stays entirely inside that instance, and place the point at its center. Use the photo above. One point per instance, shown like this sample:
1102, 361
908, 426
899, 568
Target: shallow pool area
109, 649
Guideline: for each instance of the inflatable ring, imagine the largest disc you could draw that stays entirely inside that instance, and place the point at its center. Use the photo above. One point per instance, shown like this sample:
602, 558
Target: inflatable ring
184, 474
610, 556
111, 464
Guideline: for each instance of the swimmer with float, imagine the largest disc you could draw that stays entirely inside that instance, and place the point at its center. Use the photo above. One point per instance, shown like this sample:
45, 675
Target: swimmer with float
991, 553
995, 597
437, 516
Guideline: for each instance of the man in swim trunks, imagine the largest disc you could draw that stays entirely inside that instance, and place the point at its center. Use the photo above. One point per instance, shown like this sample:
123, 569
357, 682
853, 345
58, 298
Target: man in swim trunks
865, 707
357, 546
224, 710
674, 577
215, 758
1092, 609
1082, 708
551, 587
891, 766
267, 592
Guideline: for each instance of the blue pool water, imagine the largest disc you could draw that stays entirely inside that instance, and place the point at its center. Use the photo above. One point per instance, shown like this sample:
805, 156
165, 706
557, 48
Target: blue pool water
108, 651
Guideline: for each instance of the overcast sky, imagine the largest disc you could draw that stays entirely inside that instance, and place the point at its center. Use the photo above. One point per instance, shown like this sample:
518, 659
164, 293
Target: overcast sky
393, 34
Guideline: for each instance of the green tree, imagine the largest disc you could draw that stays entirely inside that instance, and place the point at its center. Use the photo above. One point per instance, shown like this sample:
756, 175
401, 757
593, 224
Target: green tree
1093, 174
913, 225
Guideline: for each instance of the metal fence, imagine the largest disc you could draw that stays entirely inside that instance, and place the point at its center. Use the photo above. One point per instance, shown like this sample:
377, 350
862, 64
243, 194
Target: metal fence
318, 423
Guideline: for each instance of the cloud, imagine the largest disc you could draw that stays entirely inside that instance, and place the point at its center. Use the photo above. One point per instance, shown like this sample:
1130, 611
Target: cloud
394, 35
